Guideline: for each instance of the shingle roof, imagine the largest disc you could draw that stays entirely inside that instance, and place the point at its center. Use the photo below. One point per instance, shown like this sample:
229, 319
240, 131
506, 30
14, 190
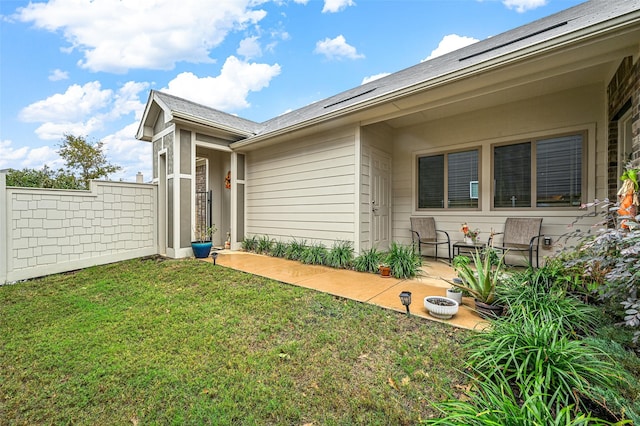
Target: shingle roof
187, 107
528, 36
553, 26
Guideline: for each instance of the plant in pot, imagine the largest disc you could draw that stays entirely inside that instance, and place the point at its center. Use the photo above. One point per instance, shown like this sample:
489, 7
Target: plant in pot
385, 270
441, 307
480, 281
201, 246
454, 292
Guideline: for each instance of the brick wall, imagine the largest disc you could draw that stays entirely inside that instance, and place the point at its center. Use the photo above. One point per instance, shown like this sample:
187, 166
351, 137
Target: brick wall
50, 231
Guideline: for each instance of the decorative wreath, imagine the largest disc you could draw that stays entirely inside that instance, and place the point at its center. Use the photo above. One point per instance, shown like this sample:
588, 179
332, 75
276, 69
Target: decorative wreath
227, 180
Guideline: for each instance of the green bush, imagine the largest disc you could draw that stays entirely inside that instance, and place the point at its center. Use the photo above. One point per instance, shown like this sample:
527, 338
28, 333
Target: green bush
315, 254
250, 243
279, 249
340, 255
535, 296
540, 359
295, 249
494, 402
264, 245
368, 260
533, 367
403, 261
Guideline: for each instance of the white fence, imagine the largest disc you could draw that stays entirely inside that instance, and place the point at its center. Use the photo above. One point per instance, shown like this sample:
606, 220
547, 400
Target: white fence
47, 231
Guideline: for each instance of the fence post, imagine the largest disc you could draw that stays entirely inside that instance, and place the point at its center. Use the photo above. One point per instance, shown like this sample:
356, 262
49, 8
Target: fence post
4, 256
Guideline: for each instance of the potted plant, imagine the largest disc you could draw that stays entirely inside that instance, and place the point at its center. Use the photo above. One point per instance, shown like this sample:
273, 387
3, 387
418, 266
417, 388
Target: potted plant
455, 293
440, 307
201, 246
480, 282
385, 270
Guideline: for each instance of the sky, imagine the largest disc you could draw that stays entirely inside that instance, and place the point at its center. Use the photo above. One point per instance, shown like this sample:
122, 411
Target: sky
86, 67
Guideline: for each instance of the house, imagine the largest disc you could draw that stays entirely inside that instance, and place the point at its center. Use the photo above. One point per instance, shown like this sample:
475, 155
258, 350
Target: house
531, 122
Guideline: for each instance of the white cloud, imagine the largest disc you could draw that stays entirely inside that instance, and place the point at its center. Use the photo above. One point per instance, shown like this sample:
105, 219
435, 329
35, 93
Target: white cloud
250, 48
449, 43
229, 90
57, 75
124, 150
374, 77
56, 130
78, 101
337, 48
522, 6
25, 157
116, 36
332, 6
81, 110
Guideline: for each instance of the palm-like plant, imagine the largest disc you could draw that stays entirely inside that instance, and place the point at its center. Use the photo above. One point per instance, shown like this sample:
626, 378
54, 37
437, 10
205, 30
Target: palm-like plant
480, 280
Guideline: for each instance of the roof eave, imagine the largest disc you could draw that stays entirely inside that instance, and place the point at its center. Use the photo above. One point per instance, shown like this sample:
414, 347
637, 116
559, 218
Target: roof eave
186, 117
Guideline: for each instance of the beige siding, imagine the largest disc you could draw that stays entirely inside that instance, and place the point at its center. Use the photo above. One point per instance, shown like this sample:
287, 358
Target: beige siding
303, 189
571, 110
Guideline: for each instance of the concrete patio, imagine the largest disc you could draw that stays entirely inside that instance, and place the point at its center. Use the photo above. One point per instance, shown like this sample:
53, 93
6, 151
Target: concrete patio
363, 287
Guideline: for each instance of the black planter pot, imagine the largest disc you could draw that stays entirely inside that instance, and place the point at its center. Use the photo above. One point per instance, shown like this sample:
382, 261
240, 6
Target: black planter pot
488, 311
201, 250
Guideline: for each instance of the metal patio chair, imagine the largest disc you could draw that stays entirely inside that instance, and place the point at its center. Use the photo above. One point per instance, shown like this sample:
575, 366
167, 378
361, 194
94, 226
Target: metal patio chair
521, 234
424, 232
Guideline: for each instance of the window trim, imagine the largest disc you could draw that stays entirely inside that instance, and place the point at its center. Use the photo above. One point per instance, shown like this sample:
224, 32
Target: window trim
416, 179
534, 190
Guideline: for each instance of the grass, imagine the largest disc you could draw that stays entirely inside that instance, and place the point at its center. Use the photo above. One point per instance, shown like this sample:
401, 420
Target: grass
185, 342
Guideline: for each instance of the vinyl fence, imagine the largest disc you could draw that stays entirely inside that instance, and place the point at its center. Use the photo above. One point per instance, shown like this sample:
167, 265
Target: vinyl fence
47, 231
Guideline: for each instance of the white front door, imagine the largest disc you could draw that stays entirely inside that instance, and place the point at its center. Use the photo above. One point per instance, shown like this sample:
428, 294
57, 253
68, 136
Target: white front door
380, 200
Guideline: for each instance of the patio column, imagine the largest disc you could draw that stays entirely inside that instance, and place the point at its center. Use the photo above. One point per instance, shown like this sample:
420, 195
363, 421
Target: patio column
237, 200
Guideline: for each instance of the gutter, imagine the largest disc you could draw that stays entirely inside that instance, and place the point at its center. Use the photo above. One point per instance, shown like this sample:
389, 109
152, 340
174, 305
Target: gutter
525, 53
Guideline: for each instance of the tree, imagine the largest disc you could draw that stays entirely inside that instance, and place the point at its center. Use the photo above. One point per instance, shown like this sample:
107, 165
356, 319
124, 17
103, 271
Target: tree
84, 160
45, 178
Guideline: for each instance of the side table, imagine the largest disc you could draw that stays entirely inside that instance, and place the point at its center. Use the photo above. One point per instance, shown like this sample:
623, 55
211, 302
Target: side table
460, 247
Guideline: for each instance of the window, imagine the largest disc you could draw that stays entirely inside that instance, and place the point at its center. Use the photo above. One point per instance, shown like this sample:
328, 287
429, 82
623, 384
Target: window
541, 173
452, 177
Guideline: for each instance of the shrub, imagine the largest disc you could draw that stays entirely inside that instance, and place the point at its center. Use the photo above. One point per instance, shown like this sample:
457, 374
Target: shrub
494, 402
264, 245
315, 254
295, 249
403, 261
279, 249
250, 243
531, 366
542, 360
340, 255
609, 265
368, 260
536, 296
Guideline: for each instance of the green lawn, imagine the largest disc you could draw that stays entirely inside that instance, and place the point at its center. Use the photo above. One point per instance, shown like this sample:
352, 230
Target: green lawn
185, 342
